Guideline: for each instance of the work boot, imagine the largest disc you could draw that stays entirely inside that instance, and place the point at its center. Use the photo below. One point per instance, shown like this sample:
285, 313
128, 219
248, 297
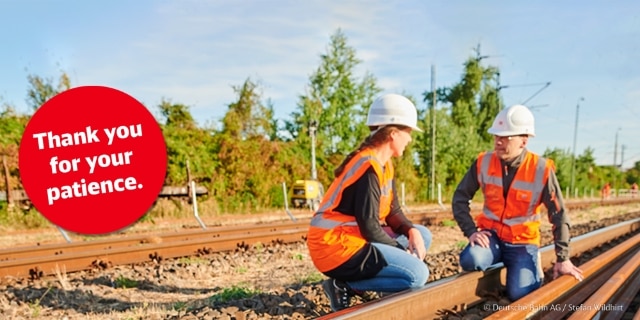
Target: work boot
338, 292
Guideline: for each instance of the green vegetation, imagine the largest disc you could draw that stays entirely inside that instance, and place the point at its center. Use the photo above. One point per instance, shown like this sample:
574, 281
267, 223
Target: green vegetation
259, 247
180, 305
461, 244
449, 223
244, 159
313, 277
191, 260
233, 293
21, 218
123, 282
35, 305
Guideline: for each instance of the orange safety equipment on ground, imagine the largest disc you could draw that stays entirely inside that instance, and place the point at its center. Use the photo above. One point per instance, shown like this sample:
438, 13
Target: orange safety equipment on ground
334, 237
515, 219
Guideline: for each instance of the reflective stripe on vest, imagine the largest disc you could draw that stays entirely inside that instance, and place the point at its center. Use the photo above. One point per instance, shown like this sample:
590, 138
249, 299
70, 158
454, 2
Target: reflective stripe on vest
348, 177
527, 183
319, 221
333, 237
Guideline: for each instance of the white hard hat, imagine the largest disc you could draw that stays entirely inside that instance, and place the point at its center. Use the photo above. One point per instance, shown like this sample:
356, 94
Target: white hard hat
513, 121
393, 109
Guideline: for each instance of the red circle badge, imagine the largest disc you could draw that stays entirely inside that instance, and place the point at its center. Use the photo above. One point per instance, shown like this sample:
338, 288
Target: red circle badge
93, 160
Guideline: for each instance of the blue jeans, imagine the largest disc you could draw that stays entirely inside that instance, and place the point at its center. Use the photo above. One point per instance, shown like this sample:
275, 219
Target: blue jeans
522, 261
403, 270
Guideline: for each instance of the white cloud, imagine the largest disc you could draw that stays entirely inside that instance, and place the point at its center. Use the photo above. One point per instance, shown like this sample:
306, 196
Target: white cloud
192, 52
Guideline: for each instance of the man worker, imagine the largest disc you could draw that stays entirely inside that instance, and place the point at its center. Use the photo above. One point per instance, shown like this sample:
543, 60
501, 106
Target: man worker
515, 182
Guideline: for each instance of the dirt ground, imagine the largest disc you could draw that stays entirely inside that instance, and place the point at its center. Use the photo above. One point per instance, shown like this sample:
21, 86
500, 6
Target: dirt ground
165, 291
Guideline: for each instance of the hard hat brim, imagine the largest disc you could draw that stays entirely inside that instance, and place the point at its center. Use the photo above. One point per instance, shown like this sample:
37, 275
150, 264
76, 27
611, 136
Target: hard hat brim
500, 133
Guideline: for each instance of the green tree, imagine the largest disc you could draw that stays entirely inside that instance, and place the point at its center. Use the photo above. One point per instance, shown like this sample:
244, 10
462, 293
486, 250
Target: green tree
633, 174
186, 142
467, 111
338, 101
584, 172
43, 89
562, 161
251, 165
12, 125
249, 116
589, 177
176, 115
406, 169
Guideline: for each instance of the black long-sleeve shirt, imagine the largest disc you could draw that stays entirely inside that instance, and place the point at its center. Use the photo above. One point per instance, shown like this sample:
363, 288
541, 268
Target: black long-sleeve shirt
362, 200
551, 198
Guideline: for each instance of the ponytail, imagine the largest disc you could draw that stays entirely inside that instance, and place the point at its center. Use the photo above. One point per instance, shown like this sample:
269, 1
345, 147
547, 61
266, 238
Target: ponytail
366, 143
379, 135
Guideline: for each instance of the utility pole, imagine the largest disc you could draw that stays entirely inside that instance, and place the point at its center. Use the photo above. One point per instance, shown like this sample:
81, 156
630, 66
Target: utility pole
615, 164
573, 158
615, 150
433, 132
313, 126
621, 156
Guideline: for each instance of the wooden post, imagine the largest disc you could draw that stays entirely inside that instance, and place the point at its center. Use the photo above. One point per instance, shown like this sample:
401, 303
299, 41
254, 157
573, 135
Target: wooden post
189, 187
188, 174
6, 181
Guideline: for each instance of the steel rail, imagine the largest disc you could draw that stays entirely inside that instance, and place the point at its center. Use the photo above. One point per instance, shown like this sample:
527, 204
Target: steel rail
40, 266
604, 298
424, 217
565, 290
59, 249
137, 240
624, 297
564, 305
36, 261
466, 288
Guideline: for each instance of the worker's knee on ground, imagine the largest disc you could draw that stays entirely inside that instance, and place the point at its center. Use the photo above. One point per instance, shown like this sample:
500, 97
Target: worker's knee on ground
475, 259
420, 277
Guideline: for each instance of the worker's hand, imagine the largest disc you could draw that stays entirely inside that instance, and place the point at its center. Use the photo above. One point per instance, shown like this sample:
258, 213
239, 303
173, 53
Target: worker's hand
480, 238
416, 244
567, 267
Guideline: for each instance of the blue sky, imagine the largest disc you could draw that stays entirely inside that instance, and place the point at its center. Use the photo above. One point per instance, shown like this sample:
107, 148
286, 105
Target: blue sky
193, 52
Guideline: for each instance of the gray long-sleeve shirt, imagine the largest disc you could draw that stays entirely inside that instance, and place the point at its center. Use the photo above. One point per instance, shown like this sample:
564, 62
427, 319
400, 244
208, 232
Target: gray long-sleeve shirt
551, 198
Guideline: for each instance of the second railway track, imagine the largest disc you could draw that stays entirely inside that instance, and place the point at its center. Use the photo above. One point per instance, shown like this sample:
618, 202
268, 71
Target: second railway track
41, 260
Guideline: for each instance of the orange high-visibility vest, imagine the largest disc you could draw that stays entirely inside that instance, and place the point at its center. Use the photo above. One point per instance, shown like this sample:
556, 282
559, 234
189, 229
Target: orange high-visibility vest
516, 218
334, 237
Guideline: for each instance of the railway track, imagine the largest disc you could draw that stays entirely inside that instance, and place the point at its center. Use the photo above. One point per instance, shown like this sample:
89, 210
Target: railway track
42, 260
612, 279
185, 288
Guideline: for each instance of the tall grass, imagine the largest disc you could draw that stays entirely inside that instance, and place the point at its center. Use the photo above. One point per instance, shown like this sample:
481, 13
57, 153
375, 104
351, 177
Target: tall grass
19, 218
23, 218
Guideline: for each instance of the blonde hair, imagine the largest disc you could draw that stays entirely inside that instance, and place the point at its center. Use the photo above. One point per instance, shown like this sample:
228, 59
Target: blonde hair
378, 136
